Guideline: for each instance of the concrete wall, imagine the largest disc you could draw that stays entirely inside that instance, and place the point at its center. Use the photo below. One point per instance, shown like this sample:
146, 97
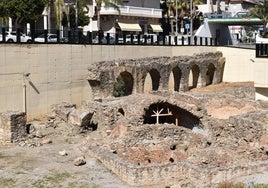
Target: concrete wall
58, 73
241, 65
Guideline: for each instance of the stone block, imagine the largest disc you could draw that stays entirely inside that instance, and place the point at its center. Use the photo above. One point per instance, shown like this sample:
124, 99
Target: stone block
12, 126
80, 118
63, 110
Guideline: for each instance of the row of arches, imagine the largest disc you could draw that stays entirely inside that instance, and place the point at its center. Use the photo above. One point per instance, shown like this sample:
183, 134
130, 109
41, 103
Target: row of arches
177, 80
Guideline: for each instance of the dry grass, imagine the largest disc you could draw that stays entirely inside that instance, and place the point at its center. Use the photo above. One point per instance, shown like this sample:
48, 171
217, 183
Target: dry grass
227, 184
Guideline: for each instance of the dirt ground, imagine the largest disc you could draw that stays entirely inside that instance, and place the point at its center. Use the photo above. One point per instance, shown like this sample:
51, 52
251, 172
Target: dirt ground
37, 163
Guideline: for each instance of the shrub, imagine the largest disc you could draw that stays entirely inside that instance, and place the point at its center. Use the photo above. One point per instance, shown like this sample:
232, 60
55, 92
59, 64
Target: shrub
119, 87
227, 184
261, 186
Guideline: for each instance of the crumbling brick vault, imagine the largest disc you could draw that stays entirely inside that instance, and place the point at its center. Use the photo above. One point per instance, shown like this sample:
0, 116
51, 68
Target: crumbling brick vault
155, 73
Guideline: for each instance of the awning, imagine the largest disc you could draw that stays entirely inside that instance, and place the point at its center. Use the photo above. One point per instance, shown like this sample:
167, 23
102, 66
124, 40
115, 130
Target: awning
129, 26
156, 28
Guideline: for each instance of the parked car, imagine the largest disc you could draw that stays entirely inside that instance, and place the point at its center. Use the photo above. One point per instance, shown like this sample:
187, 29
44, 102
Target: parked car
50, 38
128, 39
149, 37
12, 37
103, 40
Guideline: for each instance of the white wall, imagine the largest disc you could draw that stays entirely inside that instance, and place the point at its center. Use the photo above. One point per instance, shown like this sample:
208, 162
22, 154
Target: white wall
144, 3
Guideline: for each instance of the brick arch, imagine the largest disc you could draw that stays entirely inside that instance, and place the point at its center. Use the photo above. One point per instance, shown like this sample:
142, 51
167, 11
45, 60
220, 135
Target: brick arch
194, 76
210, 74
175, 79
152, 81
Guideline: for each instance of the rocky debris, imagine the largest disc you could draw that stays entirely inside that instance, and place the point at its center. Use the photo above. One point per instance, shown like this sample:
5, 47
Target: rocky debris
47, 141
29, 143
80, 161
80, 118
118, 131
62, 110
63, 153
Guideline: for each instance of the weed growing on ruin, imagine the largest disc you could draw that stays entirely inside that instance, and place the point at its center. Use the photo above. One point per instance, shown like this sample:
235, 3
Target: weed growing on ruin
119, 87
7, 182
2, 156
51, 181
261, 186
82, 185
227, 184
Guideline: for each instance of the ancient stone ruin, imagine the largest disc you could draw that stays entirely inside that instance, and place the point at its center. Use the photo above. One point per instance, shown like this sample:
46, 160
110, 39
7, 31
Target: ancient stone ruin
167, 122
165, 132
12, 126
152, 74
186, 146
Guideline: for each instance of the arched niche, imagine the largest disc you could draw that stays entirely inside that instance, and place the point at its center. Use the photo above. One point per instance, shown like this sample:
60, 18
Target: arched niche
160, 113
194, 76
175, 79
152, 80
123, 85
210, 74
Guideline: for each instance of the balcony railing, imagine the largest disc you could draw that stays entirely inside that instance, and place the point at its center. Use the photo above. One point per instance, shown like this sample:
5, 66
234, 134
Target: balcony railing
132, 11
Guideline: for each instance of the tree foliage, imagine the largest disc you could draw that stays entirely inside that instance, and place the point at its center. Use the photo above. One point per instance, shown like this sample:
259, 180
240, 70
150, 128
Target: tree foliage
22, 11
82, 20
59, 9
119, 87
261, 11
183, 8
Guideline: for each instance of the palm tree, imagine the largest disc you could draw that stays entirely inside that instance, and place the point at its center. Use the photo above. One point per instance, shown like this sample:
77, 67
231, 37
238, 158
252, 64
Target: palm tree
261, 11
59, 9
184, 9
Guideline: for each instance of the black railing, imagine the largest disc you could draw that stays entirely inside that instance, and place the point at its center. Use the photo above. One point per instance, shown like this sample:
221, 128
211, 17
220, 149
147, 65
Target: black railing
95, 38
262, 50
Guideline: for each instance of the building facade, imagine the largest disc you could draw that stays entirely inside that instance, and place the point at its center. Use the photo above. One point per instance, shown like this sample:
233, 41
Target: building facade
133, 17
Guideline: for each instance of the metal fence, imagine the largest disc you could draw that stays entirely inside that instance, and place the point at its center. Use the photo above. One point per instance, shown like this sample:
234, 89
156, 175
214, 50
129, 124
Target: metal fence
262, 50
95, 38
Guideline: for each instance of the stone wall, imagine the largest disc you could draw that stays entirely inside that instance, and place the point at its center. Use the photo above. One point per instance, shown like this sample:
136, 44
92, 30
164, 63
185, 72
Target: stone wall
224, 150
12, 126
183, 174
164, 73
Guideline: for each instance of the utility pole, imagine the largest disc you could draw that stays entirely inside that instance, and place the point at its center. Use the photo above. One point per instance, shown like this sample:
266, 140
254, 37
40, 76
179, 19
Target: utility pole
191, 16
76, 15
68, 15
76, 20
176, 18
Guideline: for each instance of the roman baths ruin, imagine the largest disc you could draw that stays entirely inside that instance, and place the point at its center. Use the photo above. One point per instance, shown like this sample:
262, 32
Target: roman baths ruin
166, 122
